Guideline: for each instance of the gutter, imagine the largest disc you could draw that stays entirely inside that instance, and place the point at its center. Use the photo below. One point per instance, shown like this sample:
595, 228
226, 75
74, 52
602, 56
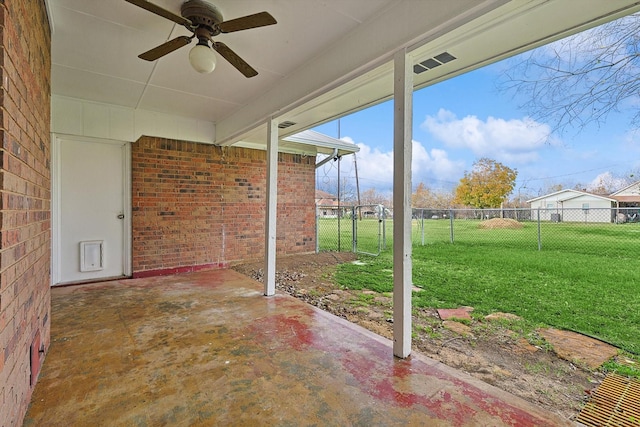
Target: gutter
332, 156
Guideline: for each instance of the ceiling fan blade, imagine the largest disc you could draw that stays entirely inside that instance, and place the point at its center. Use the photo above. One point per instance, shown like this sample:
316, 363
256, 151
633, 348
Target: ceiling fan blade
234, 59
162, 12
246, 22
163, 49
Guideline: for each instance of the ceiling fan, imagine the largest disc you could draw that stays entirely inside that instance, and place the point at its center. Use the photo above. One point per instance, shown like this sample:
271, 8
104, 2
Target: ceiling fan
205, 21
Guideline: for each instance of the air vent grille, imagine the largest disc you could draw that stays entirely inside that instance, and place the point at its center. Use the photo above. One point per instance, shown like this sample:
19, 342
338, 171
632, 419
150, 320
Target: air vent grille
285, 124
434, 62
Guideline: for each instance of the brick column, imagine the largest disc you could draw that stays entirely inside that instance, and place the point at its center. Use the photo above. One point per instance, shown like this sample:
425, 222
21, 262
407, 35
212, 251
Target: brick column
25, 70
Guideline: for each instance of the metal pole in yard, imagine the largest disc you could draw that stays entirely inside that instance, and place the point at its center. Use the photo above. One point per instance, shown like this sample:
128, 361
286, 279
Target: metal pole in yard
451, 225
317, 230
355, 164
354, 229
380, 234
422, 227
539, 234
339, 208
384, 228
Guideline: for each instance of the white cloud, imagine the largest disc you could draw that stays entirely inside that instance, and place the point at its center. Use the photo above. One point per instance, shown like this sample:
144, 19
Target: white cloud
608, 181
435, 164
375, 167
509, 141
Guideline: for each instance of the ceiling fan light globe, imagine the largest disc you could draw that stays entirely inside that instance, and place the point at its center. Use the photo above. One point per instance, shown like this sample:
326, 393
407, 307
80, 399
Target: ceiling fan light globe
202, 59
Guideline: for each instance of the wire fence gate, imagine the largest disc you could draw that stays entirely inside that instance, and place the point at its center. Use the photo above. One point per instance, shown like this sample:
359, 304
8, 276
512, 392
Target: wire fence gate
360, 229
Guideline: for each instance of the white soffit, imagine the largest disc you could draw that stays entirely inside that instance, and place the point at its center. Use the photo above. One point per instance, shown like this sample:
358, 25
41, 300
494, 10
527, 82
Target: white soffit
95, 45
323, 59
308, 142
505, 31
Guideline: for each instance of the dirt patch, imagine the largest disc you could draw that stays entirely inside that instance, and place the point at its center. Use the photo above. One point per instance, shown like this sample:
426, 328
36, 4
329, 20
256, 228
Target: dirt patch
499, 223
484, 348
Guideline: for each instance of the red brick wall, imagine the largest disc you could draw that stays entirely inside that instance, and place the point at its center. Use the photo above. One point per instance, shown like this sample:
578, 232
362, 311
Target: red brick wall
25, 65
200, 206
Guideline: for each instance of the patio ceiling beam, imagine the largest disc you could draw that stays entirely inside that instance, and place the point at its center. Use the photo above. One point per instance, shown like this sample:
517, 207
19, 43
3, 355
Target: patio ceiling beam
402, 151
271, 210
405, 23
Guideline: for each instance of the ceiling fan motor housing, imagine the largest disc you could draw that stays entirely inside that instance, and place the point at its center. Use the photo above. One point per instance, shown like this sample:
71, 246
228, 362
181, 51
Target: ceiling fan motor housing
202, 13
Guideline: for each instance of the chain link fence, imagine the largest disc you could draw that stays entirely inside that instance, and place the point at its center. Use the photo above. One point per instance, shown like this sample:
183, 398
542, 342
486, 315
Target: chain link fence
599, 231
358, 229
595, 230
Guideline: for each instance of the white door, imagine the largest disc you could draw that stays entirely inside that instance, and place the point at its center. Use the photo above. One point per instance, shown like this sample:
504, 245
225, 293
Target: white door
91, 210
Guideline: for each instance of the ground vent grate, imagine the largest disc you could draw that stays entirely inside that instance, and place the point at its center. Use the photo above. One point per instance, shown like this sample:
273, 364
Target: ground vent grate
616, 402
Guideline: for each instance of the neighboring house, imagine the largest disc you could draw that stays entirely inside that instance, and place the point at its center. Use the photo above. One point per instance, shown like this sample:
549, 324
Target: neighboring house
628, 197
573, 206
326, 204
628, 203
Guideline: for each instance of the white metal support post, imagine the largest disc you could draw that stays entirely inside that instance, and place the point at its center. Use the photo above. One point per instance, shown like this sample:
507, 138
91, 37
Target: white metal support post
402, 150
271, 211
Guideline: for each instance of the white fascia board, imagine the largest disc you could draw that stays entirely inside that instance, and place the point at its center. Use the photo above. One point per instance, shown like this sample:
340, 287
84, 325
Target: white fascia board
404, 24
317, 139
308, 143
582, 195
547, 196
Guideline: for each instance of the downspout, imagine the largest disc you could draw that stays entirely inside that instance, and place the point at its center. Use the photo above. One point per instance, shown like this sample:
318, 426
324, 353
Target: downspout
332, 156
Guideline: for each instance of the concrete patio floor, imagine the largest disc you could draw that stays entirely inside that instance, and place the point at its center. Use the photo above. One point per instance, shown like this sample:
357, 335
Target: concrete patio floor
208, 348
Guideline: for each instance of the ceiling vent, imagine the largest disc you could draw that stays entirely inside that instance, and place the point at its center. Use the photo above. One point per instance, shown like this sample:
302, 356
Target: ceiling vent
285, 124
434, 62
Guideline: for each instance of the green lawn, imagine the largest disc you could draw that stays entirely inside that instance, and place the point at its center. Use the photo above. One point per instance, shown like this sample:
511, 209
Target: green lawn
586, 278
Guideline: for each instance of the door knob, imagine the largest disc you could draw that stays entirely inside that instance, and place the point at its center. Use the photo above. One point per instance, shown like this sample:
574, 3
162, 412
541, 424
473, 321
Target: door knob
121, 216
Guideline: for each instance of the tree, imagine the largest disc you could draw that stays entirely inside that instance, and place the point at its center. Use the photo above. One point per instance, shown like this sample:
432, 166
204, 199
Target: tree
487, 185
424, 197
421, 198
372, 197
606, 183
330, 185
581, 79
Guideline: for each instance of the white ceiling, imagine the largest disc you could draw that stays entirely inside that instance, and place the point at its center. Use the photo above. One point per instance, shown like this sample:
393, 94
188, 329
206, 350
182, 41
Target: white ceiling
323, 59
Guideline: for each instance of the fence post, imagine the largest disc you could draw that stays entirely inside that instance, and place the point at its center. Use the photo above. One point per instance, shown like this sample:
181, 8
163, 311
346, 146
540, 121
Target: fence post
379, 234
539, 234
339, 231
317, 232
422, 210
354, 230
384, 228
451, 225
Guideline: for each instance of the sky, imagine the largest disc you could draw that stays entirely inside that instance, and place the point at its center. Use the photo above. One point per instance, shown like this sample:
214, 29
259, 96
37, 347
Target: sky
458, 121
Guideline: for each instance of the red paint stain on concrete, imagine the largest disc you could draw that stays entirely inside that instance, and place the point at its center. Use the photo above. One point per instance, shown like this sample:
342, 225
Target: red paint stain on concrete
374, 378
289, 331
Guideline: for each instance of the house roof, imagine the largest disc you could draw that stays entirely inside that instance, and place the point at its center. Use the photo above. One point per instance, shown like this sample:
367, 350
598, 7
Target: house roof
324, 195
309, 142
569, 194
632, 191
321, 61
626, 199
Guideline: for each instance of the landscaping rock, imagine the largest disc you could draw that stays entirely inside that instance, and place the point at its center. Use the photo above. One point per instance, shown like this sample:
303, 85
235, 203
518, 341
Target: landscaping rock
523, 346
333, 297
502, 316
573, 346
375, 315
457, 313
458, 328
